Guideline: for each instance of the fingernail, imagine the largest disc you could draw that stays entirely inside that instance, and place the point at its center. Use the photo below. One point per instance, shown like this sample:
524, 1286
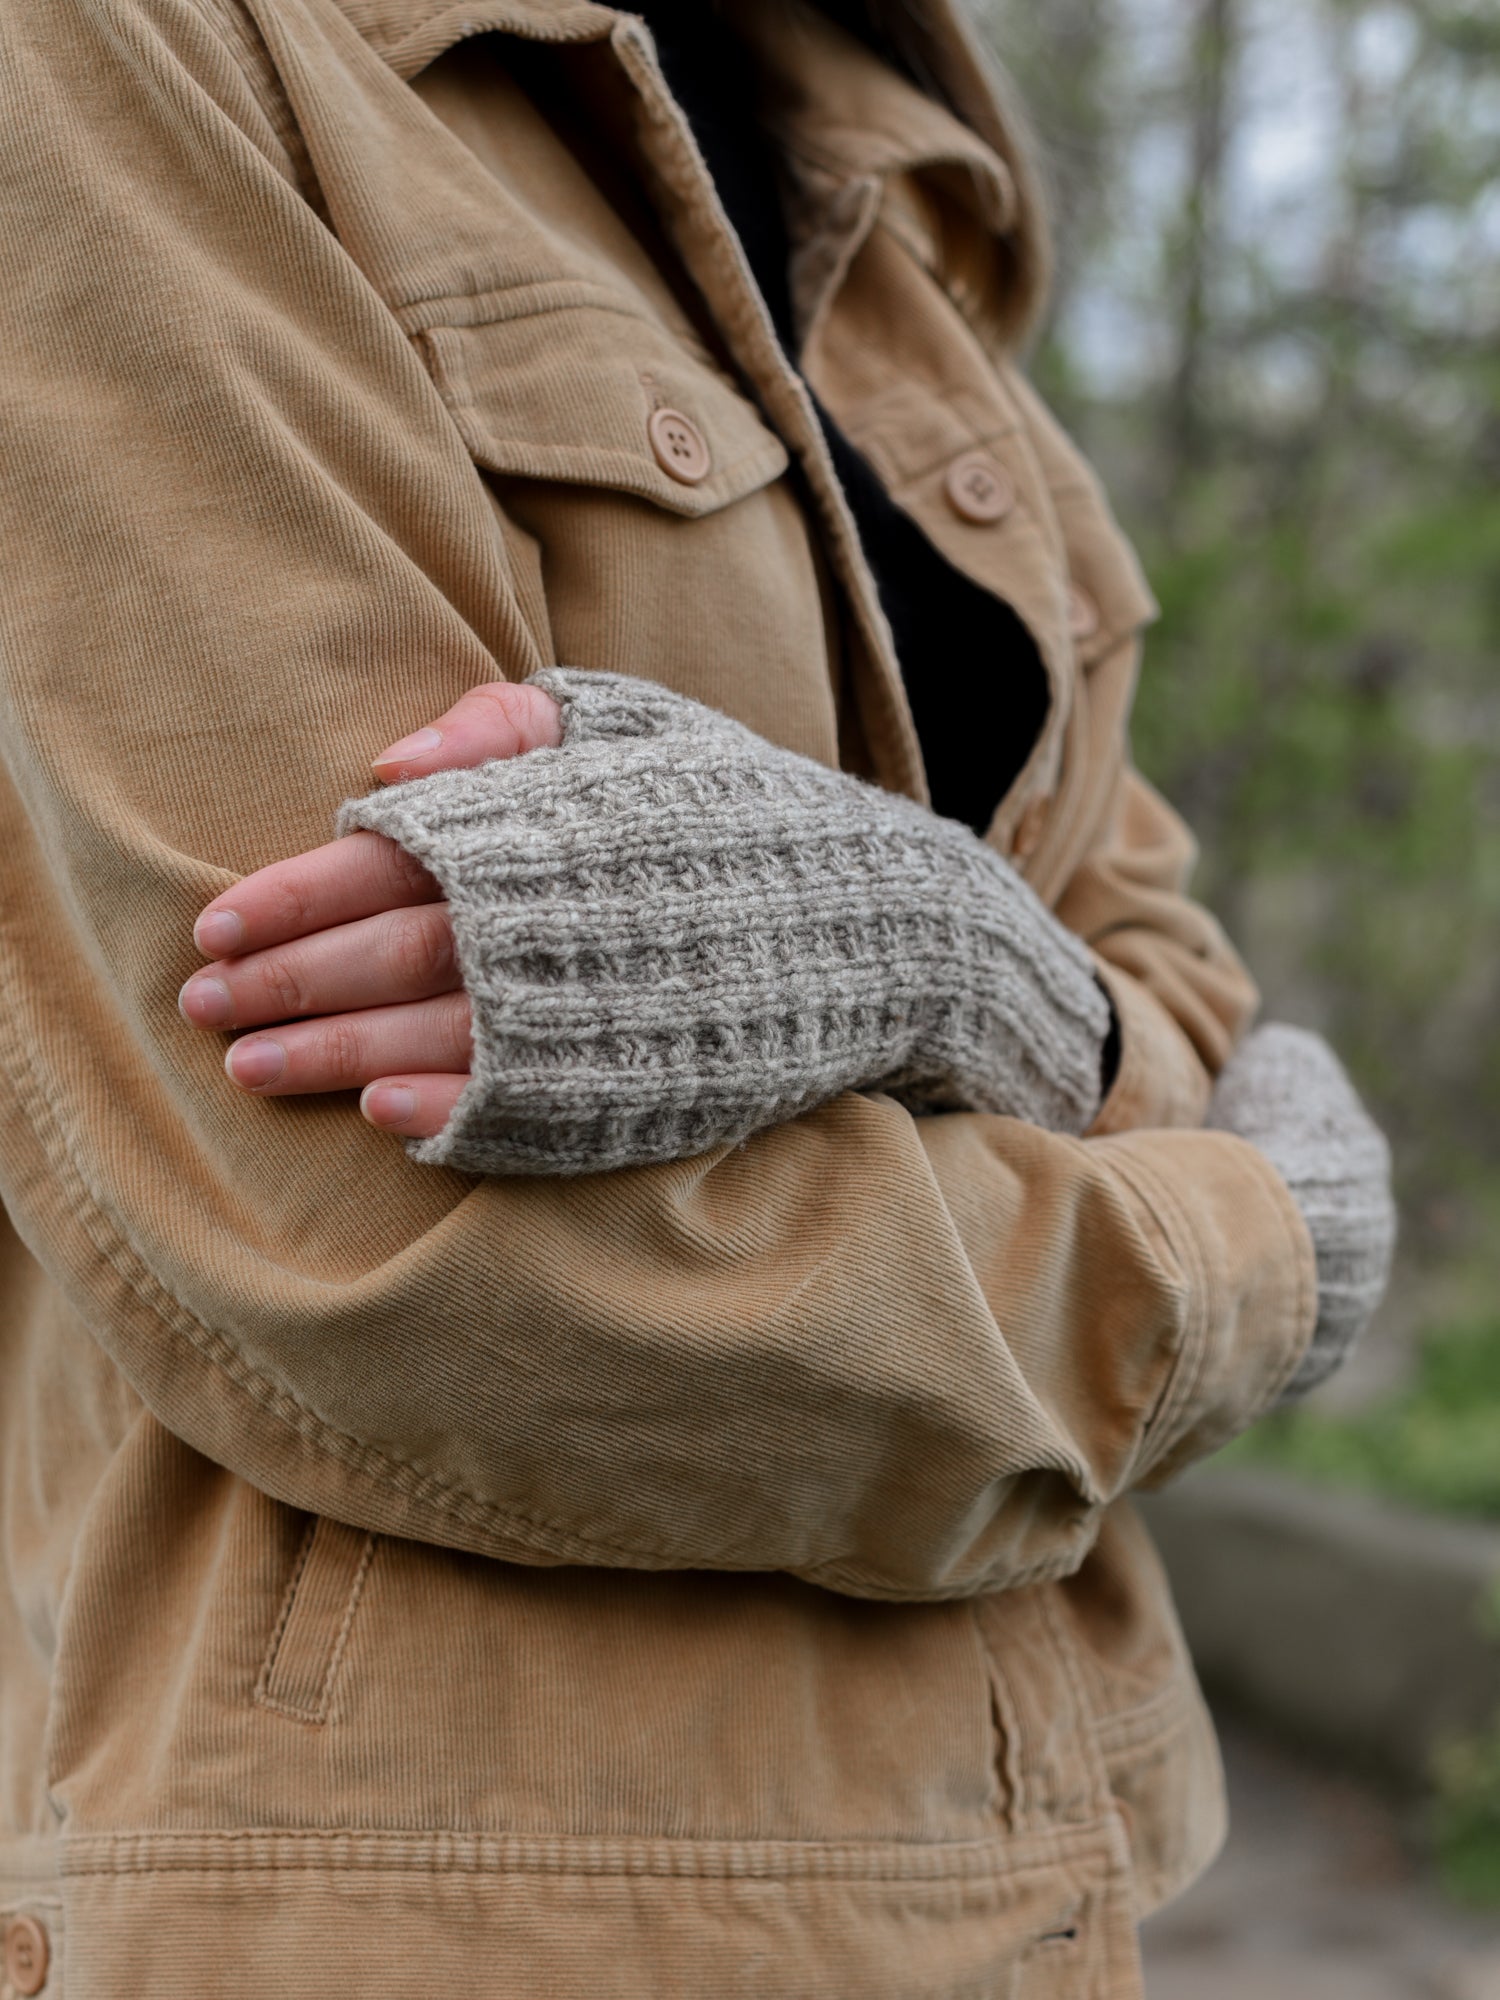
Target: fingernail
421, 744
387, 1103
207, 1003
254, 1064
219, 933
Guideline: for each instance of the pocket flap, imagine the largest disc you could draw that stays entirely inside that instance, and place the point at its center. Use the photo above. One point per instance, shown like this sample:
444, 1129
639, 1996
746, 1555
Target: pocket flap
567, 392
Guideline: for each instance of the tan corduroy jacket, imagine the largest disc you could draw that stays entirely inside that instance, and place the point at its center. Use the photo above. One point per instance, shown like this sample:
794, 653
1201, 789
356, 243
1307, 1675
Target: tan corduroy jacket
698, 1581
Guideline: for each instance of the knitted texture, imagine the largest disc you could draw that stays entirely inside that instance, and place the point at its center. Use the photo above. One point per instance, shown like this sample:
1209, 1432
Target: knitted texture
1286, 1092
673, 933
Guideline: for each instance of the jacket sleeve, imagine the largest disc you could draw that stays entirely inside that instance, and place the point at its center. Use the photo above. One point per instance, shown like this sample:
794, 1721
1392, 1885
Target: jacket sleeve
900, 1357
1181, 993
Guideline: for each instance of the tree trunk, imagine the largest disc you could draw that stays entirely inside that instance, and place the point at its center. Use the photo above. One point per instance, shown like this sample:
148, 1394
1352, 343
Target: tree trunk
1211, 58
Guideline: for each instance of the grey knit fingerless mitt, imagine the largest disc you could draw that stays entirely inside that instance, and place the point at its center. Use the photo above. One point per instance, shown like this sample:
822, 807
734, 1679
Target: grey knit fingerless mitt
1287, 1093
673, 933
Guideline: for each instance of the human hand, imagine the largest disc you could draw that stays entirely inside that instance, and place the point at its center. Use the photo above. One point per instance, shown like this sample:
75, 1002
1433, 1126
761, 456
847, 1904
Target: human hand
349, 949
675, 934
1286, 1092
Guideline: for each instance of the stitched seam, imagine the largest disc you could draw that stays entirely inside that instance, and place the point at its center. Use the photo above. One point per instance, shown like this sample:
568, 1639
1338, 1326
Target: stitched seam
283, 1616
1160, 1708
1101, 1796
628, 471
448, 362
483, 21
341, 1640
1295, 1231
764, 459
318, 1711
286, 1708
1135, 1090
263, 1851
1009, 1772
1161, 1202
1117, 1744
603, 302
1046, 1569
1285, 1211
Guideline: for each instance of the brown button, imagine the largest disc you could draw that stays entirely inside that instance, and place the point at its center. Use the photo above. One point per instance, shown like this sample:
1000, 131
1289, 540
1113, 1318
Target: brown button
679, 446
977, 489
1083, 613
1029, 828
26, 1955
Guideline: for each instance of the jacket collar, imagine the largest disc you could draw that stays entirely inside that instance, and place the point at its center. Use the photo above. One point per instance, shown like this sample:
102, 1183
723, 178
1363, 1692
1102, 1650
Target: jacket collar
851, 127
412, 33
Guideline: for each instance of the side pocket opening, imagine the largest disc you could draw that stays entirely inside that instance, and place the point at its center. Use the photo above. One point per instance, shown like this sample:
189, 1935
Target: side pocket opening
301, 1667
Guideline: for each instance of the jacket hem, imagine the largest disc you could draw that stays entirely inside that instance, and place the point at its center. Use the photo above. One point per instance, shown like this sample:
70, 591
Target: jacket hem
506, 1917
256, 1851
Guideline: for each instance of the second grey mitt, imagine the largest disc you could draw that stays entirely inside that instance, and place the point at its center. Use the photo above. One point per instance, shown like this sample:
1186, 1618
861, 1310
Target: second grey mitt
673, 934
1287, 1093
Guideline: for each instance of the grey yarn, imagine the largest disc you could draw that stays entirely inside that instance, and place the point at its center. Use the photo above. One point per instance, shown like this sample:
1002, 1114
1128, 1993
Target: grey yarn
1286, 1092
674, 934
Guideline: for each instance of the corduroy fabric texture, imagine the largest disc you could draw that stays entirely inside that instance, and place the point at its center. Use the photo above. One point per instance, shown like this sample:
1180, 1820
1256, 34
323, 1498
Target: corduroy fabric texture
732, 1585
674, 934
1287, 1093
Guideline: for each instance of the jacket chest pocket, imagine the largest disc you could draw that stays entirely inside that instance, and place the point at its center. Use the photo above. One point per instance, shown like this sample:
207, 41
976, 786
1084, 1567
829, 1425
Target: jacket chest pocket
563, 383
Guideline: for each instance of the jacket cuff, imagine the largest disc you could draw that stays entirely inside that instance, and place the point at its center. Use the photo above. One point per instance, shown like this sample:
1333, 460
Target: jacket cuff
1160, 1081
1250, 1287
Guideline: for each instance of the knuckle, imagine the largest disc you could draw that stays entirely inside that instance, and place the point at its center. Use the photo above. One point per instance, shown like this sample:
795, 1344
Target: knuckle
418, 949
456, 1024
340, 1051
282, 985
291, 909
503, 715
540, 717
408, 877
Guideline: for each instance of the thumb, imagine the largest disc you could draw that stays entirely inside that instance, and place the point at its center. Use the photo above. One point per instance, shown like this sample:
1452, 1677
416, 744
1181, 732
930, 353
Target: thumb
499, 719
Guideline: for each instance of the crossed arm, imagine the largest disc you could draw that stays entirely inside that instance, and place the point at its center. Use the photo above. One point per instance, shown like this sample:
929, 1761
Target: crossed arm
763, 918
901, 1355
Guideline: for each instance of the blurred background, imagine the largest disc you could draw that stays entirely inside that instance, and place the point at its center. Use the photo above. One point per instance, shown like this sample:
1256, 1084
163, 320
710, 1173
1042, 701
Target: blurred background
1277, 333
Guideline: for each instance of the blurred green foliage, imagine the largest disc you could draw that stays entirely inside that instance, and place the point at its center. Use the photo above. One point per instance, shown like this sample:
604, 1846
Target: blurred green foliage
1466, 1800
1466, 1817
1278, 334
1435, 1443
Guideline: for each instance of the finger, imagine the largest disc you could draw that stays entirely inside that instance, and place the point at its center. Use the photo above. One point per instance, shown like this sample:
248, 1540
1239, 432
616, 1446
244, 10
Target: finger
500, 719
379, 962
350, 878
418, 1107
347, 1051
